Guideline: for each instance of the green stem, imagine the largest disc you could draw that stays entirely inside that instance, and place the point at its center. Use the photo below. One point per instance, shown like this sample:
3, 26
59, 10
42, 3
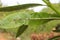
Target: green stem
50, 5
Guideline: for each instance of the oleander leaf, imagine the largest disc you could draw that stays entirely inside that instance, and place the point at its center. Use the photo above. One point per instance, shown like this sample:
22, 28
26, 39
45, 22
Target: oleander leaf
19, 7
36, 24
21, 29
15, 20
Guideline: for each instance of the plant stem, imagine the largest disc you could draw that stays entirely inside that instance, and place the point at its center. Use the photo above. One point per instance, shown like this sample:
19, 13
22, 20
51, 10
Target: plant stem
52, 7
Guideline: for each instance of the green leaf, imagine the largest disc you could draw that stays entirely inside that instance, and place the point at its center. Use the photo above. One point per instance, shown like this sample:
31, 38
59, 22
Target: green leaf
44, 15
21, 29
36, 24
19, 7
15, 20
41, 15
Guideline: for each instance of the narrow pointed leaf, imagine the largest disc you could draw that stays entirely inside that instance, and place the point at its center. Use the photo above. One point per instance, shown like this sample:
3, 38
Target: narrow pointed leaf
19, 7
21, 29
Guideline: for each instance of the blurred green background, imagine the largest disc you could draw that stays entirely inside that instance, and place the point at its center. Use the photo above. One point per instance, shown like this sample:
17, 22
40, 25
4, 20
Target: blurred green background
32, 27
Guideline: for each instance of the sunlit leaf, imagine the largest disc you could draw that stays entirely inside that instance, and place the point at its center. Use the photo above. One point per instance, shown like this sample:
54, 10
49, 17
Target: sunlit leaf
44, 15
36, 24
15, 20
41, 15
